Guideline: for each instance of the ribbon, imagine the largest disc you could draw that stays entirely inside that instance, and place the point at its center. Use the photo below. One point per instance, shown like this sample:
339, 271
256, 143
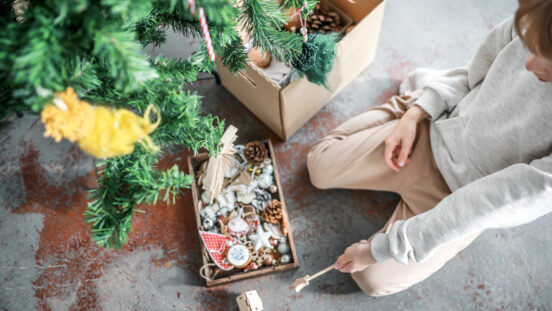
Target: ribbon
204, 28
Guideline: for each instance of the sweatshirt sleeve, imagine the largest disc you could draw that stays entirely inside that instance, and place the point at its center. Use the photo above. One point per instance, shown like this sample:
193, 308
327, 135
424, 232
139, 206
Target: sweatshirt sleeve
513, 196
444, 91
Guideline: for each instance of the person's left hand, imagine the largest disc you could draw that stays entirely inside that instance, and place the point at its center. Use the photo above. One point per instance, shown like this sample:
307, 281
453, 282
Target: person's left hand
356, 257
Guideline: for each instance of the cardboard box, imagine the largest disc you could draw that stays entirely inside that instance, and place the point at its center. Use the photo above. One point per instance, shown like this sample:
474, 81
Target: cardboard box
193, 164
285, 110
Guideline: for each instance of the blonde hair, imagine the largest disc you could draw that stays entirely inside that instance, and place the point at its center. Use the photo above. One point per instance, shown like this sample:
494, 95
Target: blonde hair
533, 22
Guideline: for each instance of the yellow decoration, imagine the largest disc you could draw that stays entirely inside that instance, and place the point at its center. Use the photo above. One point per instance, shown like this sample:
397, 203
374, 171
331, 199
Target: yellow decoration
100, 131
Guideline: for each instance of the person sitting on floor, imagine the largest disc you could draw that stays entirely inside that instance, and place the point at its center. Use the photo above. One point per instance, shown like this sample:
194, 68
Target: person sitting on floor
467, 149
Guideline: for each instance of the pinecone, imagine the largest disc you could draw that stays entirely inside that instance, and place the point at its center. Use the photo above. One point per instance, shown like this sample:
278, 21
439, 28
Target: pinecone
273, 212
255, 152
324, 20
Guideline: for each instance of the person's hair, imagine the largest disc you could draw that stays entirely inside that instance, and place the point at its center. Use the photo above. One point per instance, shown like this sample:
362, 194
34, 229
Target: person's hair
533, 22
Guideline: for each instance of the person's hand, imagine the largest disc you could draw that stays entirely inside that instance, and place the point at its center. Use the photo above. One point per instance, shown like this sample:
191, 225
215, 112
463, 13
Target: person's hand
398, 145
355, 258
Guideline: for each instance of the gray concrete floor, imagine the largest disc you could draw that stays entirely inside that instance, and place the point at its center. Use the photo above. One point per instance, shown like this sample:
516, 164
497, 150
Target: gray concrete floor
48, 262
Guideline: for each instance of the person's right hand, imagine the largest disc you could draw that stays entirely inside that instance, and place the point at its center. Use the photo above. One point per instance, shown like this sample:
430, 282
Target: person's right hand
398, 145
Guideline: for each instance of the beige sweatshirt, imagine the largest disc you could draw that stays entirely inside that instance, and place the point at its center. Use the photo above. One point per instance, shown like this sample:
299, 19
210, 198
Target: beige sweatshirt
491, 135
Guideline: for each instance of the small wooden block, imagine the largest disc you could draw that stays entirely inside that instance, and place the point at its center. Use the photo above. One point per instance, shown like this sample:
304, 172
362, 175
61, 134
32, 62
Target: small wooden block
250, 301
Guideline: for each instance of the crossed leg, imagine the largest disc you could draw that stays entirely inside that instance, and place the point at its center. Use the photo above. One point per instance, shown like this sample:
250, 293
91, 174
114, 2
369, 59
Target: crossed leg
351, 157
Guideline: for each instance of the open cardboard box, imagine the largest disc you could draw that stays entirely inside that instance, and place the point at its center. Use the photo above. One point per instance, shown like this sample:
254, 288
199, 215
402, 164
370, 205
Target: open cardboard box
285, 110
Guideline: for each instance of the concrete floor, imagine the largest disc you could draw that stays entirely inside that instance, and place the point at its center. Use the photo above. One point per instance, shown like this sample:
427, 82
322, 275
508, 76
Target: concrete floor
48, 261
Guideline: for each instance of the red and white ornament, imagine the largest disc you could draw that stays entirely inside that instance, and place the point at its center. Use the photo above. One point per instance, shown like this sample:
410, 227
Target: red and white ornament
217, 245
238, 227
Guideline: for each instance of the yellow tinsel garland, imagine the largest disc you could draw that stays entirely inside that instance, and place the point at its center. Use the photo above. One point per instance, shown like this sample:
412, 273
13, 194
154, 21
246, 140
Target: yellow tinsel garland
100, 131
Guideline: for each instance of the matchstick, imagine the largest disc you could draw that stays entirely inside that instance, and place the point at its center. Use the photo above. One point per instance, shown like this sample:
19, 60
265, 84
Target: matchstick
300, 283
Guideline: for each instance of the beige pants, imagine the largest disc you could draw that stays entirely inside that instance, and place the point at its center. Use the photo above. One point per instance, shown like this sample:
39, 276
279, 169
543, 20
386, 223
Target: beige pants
351, 157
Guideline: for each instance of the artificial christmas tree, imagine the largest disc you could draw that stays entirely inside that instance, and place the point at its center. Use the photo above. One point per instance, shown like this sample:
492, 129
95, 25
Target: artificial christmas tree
95, 48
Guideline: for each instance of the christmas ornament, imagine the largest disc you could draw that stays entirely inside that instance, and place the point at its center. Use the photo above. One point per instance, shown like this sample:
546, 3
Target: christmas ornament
283, 248
208, 224
217, 246
258, 58
261, 199
268, 169
274, 230
227, 198
273, 242
273, 188
317, 58
260, 238
238, 256
99, 131
219, 164
204, 28
267, 259
293, 23
243, 193
273, 212
209, 211
238, 227
255, 152
302, 22
285, 259
264, 180
252, 266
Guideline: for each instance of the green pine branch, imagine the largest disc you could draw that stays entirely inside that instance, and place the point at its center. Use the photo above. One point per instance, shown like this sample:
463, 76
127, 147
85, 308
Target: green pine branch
263, 19
95, 46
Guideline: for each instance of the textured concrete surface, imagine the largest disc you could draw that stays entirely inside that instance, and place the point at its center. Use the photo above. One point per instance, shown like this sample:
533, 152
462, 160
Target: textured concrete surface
48, 261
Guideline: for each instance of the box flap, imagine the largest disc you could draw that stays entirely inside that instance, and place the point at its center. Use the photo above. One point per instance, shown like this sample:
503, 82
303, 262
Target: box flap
357, 9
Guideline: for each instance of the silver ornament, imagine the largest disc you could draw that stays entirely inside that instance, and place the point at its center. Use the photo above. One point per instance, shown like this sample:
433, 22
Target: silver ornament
208, 224
273, 188
283, 248
285, 259
264, 180
268, 169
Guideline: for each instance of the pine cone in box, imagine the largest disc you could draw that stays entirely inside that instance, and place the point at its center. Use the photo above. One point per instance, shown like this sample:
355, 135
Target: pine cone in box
273, 212
324, 20
255, 152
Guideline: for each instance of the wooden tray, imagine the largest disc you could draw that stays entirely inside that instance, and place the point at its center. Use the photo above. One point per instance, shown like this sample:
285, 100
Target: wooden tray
193, 164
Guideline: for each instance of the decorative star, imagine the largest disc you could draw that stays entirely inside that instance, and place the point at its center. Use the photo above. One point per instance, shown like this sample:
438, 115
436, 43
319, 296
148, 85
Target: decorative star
261, 238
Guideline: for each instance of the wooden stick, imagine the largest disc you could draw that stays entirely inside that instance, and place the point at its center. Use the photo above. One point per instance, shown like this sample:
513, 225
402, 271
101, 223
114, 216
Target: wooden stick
300, 283
319, 273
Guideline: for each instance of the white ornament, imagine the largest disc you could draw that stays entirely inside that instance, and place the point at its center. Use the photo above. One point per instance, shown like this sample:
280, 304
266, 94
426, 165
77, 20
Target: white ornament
264, 180
209, 212
283, 248
285, 259
238, 256
233, 170
224, 210
261, 238
205, 197
243, 194
274, 229
227, 198
237, 226
269, 169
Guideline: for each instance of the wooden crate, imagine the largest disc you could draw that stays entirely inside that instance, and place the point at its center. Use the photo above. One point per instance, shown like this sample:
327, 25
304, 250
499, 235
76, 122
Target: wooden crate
193, 164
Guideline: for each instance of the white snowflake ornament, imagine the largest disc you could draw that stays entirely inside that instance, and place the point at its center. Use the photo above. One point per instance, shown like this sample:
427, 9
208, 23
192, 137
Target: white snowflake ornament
261, 238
